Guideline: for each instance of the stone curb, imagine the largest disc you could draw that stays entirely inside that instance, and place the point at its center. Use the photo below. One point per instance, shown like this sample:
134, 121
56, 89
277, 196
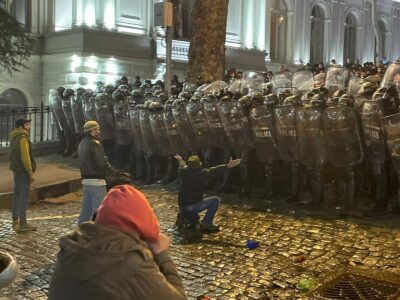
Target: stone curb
49, 190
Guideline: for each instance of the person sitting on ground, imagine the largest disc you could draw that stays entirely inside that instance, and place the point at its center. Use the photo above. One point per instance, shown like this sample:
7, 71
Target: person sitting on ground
122, 255
194, 180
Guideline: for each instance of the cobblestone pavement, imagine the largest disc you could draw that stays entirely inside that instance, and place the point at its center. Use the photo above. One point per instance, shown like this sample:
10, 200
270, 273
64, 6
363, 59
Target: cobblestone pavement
220, 265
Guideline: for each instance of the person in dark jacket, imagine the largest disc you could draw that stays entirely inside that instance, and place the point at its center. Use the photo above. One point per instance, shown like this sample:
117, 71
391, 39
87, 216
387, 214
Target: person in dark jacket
194, 179
94, 167
23, 165
122, 255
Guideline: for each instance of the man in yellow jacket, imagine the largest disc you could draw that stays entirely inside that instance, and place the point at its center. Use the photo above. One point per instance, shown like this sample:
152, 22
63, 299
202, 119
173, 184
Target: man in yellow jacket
23, 165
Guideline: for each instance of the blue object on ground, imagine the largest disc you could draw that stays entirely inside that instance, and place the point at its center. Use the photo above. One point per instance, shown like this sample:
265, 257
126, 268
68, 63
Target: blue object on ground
252, 244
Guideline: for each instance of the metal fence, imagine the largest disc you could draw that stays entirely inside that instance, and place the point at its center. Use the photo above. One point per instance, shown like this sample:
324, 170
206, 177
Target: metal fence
43, 128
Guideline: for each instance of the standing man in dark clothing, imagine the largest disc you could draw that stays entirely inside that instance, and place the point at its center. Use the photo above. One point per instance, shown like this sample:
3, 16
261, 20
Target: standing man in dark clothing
23, 165
94, 168
193, 183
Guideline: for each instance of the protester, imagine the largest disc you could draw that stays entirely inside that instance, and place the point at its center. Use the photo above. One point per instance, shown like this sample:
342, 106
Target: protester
122, 255
194, 179
22, 163
94, 168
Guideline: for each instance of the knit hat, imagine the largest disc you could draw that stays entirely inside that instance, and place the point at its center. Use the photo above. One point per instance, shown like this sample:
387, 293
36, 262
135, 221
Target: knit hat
127, 209
90, 125
194, 162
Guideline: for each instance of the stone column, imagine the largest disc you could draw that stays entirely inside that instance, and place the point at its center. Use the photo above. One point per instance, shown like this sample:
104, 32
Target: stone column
268, 30
50, 10
327, 40
290, 37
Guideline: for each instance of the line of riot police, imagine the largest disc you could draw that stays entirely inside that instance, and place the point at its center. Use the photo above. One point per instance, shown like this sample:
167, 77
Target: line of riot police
346, 132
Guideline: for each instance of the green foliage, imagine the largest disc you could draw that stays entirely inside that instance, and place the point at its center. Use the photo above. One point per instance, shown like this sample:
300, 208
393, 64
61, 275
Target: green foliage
16, 45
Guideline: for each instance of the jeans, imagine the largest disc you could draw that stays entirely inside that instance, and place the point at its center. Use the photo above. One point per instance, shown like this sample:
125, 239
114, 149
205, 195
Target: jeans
92, 198
211, 204
22, 186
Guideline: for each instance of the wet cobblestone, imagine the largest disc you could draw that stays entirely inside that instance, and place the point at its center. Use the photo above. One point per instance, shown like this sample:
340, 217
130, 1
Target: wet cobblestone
220, 265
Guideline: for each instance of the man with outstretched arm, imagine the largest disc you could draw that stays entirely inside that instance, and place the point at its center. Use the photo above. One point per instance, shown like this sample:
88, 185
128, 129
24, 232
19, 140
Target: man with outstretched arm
194, 179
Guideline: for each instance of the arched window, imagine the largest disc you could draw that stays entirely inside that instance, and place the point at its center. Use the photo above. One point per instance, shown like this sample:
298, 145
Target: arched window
10, 98
317, 35
350, 36
278, 31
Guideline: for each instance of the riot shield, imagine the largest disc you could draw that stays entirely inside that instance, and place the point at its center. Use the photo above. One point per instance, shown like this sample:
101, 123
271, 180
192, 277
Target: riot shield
303, 81
319, 79
185, 129
55, 103
198, 121
160, 133
218, 136
216, 86
134, 123
122, 129
286, 135
236, 125
77, 113
353, 89
149, 145
263, 132
67, 109
310, 136
238, 86
371, 115
105, 117
390, 127
282, 80
336, 78
392, 76
343, 136
89, 107
254, 81
174, 137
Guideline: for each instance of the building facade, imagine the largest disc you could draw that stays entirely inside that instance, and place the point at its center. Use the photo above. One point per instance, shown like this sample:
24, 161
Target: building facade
81, 42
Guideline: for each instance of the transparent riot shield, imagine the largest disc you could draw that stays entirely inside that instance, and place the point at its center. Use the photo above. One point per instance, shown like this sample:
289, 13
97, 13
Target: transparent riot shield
198, 121
213, 86
392, 76
89, 107
303, 81
263, 133
214, 122
174, 137
310, 136
336, 78
160, 133
183, 124
77, 112
236, 125
55, 103
66, 107
105, 116
149, 145
122, 129
343, 136
286, 135
390, 127
134, 123
371, 116
282, 80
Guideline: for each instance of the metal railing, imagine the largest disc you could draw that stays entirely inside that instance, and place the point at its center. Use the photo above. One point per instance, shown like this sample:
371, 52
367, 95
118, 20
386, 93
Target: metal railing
43, 128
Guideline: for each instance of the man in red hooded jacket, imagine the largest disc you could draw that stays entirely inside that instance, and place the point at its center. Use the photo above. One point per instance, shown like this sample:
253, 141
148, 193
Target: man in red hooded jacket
122, 255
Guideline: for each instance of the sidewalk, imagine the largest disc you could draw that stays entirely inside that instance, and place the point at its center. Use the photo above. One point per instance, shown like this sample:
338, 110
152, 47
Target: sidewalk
55, 175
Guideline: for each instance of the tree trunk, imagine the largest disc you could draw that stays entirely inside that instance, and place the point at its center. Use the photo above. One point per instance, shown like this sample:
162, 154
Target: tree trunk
207, 47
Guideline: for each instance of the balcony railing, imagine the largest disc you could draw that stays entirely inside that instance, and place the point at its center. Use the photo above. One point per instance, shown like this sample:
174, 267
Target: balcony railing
43, 128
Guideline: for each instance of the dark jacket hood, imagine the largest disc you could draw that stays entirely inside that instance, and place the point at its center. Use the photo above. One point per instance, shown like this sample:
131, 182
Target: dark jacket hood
93, 249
